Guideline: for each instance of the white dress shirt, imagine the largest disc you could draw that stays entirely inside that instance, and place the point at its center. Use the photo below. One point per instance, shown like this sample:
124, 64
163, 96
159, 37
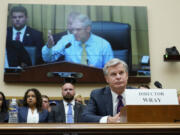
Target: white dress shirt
66, 107
32, 117
21, 35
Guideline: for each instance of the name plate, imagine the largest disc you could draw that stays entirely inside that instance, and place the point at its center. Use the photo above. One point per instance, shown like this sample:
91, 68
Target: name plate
151, 97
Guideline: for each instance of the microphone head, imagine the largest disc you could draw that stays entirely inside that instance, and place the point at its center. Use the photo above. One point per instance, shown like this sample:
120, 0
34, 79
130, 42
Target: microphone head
76, 75
158, 84
68, 45
65, 74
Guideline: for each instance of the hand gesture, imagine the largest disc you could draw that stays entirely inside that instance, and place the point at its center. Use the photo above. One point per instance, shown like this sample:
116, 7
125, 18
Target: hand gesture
50, 42
114, 119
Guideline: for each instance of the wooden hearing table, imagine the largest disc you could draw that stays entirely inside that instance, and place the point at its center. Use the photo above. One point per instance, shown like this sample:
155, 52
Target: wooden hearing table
89, 129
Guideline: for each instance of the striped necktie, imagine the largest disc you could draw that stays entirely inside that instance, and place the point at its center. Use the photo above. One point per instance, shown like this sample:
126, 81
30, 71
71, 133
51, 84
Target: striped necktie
84, 55
120, 103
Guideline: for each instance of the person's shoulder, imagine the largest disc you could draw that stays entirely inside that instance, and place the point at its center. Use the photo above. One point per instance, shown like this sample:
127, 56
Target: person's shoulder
79, 105
9, 28
100, 91
9, 31
29, 29
99, 39
58, 106
44, 111
22, 108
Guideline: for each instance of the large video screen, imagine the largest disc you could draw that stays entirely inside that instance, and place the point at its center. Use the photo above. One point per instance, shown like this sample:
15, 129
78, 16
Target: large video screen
88, 35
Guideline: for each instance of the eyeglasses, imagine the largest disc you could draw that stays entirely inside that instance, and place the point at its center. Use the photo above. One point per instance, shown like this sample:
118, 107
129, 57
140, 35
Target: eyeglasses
77, 29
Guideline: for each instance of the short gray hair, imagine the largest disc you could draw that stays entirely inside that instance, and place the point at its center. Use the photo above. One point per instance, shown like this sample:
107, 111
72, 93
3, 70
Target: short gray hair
84, 19
114, 62
72, 15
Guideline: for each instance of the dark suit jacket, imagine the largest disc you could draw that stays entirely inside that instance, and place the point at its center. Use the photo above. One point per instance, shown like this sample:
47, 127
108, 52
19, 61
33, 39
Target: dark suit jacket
57, 113
100, 104
23, 112
3, 117
16, 54
32, 37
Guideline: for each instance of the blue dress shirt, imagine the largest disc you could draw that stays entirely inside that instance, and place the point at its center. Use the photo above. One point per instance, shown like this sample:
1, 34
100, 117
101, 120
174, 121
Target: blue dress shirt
99, 50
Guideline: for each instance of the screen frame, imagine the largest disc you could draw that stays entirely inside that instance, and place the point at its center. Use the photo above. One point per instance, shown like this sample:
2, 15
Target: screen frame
135, 65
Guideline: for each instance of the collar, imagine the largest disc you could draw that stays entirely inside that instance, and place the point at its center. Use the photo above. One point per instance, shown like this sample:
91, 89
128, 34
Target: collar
22, 30
30, 110
72, 102
89, 41
115, 95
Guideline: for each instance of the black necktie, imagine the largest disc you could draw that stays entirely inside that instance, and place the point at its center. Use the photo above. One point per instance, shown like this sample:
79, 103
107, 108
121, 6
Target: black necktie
120, 103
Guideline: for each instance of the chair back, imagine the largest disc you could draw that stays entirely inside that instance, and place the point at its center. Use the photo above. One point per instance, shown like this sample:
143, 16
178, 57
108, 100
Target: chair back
31, 50
119, 36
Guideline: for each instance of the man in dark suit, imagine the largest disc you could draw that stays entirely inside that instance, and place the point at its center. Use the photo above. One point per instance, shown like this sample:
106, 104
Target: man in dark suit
22, 33
67, 111
105, 103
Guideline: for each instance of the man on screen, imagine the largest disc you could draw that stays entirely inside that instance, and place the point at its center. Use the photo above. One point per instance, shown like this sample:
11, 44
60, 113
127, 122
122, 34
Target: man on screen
21, 36
105, 104
71, 16
81, 46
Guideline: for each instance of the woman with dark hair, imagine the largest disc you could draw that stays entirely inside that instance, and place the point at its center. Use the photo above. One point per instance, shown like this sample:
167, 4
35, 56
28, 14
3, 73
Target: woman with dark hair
3, 108
32, 111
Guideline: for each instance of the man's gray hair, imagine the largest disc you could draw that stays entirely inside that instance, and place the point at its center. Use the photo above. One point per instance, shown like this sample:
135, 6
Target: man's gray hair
72, 15
114, 62
84, 19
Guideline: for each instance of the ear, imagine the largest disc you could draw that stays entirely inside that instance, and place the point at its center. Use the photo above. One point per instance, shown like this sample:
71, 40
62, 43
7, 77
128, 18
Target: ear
106, 78
88, 29
127, 76
26, 19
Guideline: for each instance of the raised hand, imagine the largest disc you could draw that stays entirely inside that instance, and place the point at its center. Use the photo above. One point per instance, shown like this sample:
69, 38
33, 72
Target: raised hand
50, 42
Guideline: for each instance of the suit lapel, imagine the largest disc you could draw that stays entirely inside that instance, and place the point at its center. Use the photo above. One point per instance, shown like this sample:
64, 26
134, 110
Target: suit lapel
41, 115
9, 34
76, 112
27, 35
61, 105
108, 101
25, 113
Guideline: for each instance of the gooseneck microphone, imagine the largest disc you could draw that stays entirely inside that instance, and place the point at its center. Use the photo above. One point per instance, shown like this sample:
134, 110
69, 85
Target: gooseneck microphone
158, 84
